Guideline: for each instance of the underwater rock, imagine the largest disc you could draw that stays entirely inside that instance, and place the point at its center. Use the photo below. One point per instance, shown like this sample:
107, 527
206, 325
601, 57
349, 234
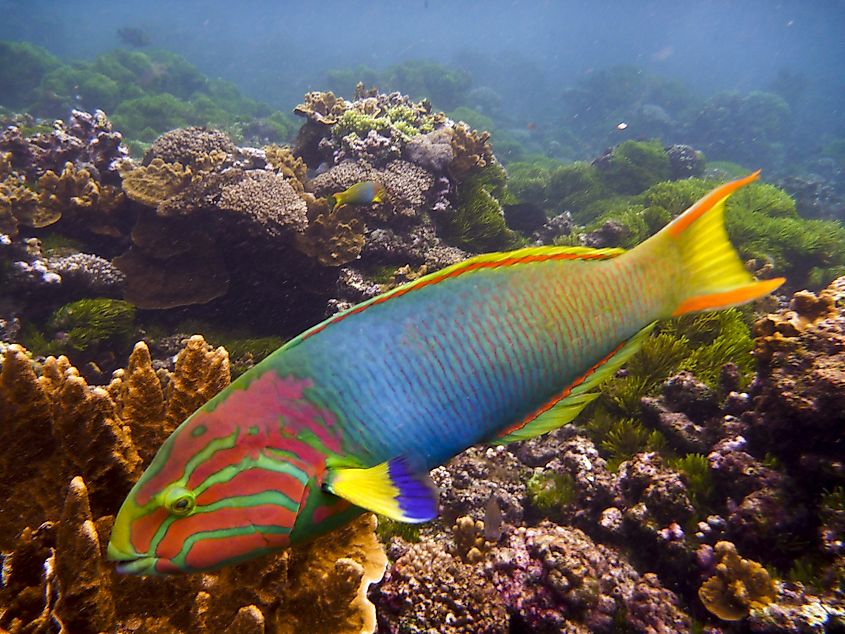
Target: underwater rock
429, 587
645, 480
87, 140
797, 611
685, 161
469, 480
556, 227
554, 578
800, 395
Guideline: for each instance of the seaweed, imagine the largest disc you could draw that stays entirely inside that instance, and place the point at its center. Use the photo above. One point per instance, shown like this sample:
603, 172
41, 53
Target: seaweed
695, 469
634, 166
478, 223
89, 323
549, 492
622, 439
388, 529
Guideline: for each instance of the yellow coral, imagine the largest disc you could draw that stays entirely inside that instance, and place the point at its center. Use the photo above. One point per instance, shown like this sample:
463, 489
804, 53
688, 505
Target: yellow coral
322, 107
58, 193
291, 167
5, 164
739, 585
328, 582
18, 204
53, 427
201, 372
471, 149
334, 237
154, 183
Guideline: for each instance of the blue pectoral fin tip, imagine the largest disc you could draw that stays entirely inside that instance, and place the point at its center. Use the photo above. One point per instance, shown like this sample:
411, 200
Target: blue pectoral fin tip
391, 489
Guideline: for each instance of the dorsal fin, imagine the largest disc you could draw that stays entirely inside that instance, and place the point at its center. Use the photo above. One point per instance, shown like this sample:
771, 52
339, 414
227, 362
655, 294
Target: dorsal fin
486, 261
569, 402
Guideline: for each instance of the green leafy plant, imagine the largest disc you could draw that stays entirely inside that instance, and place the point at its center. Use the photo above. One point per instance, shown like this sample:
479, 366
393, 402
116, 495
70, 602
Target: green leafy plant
550, 492
695, 470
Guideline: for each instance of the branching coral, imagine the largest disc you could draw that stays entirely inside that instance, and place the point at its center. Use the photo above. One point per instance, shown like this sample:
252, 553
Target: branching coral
334, 237
738, 587
55, 430
58, 193
285, 163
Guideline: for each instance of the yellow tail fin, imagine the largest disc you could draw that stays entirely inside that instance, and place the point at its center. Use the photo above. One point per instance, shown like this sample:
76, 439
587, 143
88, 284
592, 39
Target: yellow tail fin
716, 277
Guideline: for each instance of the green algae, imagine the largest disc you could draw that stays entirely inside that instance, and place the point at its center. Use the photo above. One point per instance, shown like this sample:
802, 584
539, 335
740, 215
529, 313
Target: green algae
550, 492
634, 166
695, 470
94, 322
388, 529
478, 223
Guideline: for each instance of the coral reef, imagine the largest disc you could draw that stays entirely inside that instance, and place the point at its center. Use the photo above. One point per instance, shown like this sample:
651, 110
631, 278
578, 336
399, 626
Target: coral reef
738, 587
68, 455
541, 579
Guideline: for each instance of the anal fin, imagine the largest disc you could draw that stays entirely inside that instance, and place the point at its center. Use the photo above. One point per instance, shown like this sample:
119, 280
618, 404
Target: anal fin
568, 403
391, 489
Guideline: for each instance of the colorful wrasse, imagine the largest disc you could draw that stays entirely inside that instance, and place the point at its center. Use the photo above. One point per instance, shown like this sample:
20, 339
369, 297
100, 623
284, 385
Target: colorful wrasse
360, 194
353, 413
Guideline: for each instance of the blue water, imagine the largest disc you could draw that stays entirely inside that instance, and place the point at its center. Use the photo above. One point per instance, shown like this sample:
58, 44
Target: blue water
526, 51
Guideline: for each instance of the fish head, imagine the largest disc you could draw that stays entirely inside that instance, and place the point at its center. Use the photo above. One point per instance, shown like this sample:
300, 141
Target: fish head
225, 487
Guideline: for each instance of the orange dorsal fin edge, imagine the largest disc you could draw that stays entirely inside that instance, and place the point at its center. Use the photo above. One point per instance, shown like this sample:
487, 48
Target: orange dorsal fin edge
486, 261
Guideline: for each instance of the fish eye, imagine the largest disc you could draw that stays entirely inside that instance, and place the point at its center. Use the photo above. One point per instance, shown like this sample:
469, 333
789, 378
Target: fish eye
179, 501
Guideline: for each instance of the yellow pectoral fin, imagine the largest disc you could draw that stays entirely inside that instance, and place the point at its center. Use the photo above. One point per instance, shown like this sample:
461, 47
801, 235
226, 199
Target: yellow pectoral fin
391, 489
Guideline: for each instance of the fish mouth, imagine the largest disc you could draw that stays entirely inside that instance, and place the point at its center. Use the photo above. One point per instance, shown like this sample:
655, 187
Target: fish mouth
132, 563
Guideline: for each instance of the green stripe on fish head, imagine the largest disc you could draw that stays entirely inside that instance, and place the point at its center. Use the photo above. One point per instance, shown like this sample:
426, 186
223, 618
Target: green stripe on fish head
228, 484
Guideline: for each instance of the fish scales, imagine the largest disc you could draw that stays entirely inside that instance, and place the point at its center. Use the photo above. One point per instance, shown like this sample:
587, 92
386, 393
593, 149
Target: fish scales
352, 414
540, 329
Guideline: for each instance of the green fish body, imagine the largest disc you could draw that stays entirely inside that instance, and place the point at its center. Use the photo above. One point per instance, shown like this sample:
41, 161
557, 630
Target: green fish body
352, 414
364, 193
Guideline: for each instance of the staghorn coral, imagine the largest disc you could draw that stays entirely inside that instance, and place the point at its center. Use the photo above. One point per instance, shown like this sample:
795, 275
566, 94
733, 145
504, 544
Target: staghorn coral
328, 581
53, 426
321, 107
738, 587
469, 540
88, 273
471, 151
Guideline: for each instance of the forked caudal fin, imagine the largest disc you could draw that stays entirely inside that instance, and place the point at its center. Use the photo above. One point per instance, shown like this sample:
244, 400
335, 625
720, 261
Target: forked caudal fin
715, 275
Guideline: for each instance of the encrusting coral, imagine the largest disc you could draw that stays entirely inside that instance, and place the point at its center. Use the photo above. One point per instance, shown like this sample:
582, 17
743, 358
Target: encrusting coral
738, 587
68, 455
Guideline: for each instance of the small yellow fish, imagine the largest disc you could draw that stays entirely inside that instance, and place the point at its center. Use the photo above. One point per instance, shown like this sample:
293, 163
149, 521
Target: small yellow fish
359, 194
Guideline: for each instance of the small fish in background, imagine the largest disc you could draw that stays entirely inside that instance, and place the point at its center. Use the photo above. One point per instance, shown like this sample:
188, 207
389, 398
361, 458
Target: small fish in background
363, 193
622, 126
493, 520
531, 125
133, 36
